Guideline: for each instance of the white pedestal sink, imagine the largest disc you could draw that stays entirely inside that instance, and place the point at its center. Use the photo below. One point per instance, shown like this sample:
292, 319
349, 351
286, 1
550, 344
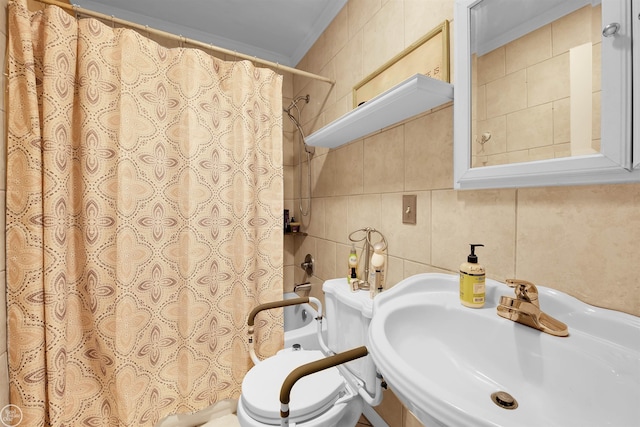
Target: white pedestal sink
444, 360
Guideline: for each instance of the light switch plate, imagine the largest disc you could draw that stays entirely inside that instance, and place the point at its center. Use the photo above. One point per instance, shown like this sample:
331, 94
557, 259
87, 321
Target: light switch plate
409, 208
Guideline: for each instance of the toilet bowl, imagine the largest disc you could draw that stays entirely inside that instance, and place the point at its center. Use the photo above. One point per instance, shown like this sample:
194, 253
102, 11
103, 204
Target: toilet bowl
320, 399
330, 397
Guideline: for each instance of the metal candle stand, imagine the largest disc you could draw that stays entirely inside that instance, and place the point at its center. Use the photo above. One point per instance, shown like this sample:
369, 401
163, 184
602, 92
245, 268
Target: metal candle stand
366, 236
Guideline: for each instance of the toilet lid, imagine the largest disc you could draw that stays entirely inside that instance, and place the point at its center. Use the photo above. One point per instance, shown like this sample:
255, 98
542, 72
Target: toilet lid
311, 395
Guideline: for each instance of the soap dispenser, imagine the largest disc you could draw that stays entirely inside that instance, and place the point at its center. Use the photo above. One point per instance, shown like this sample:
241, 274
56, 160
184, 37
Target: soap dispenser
352, 274
472, 286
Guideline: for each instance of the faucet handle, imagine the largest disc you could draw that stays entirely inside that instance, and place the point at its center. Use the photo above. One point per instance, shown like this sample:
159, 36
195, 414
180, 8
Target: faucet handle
524, 290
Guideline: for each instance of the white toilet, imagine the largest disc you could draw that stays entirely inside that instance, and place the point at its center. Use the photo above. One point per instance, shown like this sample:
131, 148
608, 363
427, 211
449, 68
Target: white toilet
331, 397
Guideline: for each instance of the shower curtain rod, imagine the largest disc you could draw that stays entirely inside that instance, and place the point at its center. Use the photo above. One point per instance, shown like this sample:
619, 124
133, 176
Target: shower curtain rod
79, 10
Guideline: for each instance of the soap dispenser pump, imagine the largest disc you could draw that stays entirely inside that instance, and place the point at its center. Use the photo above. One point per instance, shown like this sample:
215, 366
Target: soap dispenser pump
472, 281
352, 274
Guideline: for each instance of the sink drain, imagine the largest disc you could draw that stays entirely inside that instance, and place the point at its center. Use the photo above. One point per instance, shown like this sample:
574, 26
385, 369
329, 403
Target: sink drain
504, 400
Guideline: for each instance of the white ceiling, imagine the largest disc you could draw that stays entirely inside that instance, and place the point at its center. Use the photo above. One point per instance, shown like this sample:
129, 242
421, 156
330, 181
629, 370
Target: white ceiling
281, 31
499, 22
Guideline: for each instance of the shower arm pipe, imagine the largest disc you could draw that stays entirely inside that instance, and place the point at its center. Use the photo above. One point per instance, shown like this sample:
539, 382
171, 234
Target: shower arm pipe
310, 368
207, 46
276, 304
308, 149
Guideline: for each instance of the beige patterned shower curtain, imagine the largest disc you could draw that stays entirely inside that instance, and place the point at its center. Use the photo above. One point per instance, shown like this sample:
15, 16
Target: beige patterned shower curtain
144, 206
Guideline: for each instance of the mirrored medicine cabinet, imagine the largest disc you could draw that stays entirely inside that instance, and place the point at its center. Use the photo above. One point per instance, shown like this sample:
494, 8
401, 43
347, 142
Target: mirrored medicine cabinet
543, 93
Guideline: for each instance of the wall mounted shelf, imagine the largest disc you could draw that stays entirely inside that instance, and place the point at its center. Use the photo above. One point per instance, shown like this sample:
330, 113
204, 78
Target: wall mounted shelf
413, 96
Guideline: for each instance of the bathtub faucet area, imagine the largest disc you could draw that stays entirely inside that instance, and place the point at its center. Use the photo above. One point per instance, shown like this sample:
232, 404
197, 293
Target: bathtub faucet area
302, 287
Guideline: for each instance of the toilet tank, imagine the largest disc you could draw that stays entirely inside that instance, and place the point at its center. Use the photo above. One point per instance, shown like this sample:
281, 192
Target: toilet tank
348, 316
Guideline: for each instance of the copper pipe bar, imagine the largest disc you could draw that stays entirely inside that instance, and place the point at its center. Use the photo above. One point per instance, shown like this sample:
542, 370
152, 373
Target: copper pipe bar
312, 367
274, 304
196, 43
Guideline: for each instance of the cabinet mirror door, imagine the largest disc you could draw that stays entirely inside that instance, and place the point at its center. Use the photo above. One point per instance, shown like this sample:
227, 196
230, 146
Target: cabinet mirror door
542, 93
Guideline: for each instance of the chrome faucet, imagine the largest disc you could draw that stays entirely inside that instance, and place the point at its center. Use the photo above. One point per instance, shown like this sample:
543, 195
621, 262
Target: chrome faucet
525, 309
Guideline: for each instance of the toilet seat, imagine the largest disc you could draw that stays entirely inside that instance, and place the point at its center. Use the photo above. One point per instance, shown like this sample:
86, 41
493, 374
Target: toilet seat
310, 396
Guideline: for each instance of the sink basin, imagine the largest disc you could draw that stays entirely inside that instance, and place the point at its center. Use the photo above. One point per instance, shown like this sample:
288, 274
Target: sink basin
444, 360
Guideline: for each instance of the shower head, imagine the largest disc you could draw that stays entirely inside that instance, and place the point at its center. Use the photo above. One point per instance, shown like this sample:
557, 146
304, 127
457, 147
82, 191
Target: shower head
296, 121
294, 103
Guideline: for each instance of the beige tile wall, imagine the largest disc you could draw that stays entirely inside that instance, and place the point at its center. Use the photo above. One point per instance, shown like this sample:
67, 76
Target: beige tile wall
580, 240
